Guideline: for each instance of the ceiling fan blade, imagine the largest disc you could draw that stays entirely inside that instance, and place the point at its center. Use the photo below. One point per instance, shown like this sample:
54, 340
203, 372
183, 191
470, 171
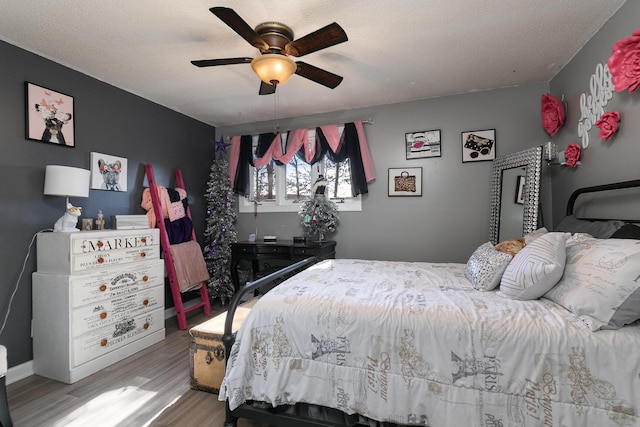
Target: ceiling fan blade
318, 75
266, 88
223, 61
237, 24
330, 35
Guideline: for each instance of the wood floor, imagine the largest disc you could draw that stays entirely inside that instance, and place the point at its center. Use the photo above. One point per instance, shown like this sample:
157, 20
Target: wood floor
150, 388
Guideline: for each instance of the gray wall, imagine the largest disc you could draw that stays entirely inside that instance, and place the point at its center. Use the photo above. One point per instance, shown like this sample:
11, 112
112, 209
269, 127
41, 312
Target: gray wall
602, 162
108, 120
451, 218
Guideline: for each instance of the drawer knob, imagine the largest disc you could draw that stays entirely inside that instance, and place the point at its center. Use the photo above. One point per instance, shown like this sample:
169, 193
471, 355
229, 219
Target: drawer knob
103, 288
145, 302
143, 239
103, 315
104, 342
145, 278
146, 325
143, 254
99, 244
100, 260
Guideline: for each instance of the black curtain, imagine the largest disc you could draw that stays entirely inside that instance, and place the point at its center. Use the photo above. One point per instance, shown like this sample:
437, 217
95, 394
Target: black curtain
349, 148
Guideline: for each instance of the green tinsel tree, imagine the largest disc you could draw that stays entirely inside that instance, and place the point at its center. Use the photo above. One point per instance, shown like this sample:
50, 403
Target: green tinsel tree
220, 230
319, 214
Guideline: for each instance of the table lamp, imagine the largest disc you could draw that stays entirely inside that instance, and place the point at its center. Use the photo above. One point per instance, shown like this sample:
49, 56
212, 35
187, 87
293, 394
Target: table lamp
69, 182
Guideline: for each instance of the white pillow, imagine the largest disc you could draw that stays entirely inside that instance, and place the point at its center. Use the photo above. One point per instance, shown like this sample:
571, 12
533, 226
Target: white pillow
528, 238
536, 268
601, 282
485, 267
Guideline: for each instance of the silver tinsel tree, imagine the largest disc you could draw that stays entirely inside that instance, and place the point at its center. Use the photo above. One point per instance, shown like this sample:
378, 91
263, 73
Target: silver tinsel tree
319, 214
220, 230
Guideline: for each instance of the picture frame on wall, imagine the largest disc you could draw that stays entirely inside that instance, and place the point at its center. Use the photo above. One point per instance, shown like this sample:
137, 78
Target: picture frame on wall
520, 183
422, 144
479, 145
405, 182
108, 172
50, 116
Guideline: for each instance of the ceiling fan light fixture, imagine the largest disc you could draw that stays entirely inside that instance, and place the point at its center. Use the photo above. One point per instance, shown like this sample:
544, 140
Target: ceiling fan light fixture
273, 67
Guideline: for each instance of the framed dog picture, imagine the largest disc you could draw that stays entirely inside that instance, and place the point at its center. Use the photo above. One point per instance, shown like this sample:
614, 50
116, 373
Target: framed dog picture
108, 172
49, 116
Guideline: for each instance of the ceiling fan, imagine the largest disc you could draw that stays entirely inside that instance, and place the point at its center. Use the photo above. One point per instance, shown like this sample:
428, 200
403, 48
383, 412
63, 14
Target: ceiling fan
276, 44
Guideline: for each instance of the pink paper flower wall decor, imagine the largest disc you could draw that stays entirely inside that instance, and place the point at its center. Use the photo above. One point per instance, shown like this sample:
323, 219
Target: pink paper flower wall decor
624, 63
572, 155
608, 124
553, 113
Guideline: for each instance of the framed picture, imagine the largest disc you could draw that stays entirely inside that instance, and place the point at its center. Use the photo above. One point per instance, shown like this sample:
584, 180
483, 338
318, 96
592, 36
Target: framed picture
478, 145
425, 143
405, 181
108, 172
520, 190
49, 116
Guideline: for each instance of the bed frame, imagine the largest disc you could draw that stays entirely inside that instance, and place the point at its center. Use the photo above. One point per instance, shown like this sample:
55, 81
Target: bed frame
600, 188
271, 417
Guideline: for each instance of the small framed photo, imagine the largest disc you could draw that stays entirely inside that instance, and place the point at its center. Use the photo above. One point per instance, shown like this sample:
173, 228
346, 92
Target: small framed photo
520, 190
405, 181
478, 145
108, 172
49, 116
425, 143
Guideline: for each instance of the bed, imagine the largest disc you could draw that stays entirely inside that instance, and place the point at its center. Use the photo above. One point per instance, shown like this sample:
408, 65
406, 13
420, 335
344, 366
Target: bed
350, 342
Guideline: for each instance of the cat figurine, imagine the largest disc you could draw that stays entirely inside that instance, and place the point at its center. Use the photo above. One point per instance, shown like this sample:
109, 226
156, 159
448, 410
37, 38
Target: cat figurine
69, 220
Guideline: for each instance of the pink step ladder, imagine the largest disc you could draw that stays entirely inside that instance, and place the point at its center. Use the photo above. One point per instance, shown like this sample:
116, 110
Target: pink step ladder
166, 252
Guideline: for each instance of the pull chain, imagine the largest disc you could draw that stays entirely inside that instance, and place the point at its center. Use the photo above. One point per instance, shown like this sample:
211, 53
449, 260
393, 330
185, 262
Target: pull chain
276, 111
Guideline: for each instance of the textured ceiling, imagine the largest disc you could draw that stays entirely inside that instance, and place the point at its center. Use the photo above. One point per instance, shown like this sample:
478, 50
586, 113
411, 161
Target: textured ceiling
397, 50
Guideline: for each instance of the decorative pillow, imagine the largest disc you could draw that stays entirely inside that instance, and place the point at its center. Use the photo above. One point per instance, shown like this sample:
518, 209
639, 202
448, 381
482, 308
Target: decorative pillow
528, 238
601, 282
627, 231
598, 229
511, 247
536, 268
485, 267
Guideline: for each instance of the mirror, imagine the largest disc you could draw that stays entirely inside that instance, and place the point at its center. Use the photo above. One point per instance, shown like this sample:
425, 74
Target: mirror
515, 194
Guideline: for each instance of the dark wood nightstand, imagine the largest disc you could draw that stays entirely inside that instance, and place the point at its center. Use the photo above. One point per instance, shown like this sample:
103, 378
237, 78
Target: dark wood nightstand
280, 250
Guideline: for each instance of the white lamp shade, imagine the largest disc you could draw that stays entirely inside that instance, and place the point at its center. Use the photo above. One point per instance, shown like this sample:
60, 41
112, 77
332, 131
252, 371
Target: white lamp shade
66, 181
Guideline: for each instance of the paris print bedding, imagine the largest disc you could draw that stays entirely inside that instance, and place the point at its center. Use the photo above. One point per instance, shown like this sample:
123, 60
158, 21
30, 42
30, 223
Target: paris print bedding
416, 344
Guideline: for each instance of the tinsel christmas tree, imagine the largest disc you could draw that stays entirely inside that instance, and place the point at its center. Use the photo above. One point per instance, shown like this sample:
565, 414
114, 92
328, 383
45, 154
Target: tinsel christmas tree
319, 214
220, 231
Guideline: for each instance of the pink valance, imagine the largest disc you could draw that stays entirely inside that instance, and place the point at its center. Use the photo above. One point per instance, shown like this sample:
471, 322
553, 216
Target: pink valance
296, 139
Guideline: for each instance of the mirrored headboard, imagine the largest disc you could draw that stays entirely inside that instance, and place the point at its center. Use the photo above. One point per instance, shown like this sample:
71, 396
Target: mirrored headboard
524, 201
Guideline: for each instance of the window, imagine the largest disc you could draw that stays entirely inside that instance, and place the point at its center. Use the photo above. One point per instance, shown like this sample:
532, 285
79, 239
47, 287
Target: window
282, 188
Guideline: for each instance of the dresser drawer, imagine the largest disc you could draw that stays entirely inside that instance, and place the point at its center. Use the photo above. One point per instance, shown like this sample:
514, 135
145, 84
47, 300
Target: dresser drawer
65, 253
103, 313
109, 283
106, 339
273, 250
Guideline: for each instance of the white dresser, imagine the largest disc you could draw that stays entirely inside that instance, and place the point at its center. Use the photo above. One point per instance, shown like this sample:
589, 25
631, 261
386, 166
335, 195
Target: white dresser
98, 297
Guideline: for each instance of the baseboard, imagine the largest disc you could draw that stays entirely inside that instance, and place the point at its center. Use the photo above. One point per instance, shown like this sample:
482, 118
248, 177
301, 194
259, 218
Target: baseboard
19, 372
24, 370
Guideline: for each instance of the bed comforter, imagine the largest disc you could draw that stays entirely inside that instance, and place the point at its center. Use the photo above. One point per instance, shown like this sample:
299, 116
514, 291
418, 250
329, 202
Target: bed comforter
415, 344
